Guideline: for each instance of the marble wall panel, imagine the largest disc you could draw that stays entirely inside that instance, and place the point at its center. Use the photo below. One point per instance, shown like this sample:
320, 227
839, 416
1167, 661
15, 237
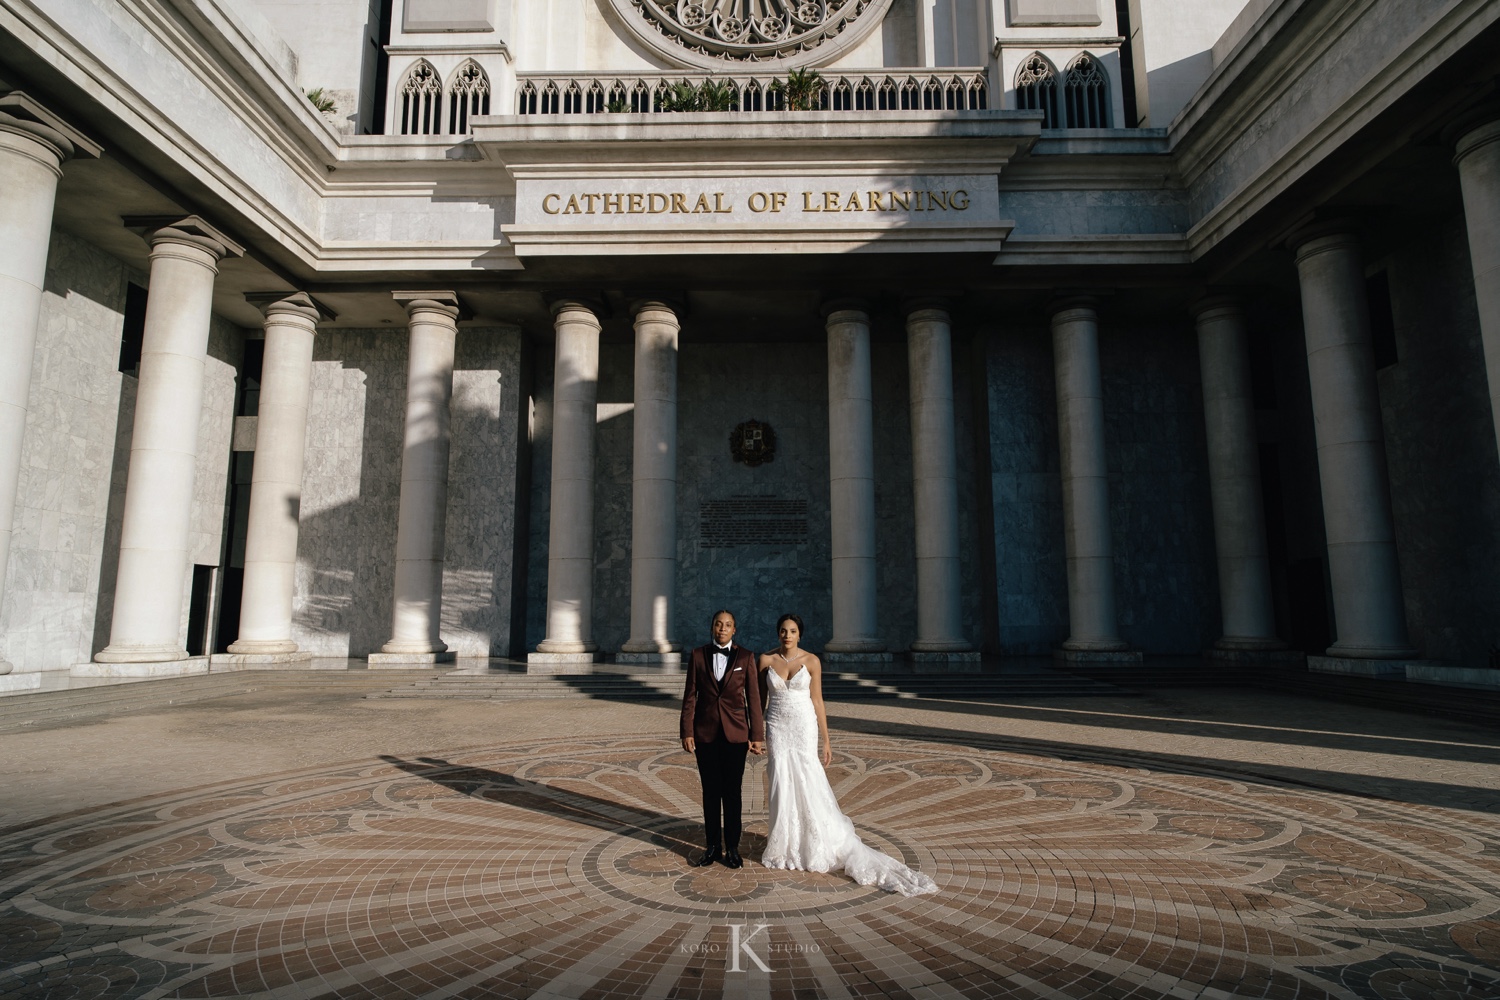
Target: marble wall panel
352, 489
1444, 470
785, 385
1165, 577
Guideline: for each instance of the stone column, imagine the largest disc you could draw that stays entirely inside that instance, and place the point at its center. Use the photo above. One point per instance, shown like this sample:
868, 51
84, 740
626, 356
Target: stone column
31, 158
653, 496
1369, 613
1249, 621
851, 481
934, 482
1092, 627
417, 610
147, 623
1477, 155
276, 480
569, 643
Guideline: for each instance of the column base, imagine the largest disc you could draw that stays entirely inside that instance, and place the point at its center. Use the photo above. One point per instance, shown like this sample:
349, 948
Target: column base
1435, 672
670, 661
19, 682
405, 661
1353, 666
862, 647
1240, 643
1262, 657
953, 656
841, 656
1358, 651
941, 646
1099, 657
224, 662
139, 654
560, 663
261, 647
6, 667
142, 668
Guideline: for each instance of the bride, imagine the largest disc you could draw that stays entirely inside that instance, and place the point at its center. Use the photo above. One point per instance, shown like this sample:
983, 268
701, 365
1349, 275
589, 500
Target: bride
808, 831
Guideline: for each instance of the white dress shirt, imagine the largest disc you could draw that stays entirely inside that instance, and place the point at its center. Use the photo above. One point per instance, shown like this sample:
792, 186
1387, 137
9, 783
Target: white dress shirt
721, 661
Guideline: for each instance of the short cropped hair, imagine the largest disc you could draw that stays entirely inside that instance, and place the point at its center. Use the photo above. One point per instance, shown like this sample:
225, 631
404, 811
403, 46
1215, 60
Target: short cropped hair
724, 611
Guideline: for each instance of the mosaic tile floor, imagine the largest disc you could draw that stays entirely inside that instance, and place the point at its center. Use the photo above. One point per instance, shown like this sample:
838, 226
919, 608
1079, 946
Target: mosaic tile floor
559, 868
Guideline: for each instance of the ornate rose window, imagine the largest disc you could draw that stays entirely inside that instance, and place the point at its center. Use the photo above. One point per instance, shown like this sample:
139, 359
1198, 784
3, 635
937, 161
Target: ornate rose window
787, 33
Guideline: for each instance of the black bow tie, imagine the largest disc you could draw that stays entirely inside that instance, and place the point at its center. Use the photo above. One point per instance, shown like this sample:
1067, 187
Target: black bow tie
722, 649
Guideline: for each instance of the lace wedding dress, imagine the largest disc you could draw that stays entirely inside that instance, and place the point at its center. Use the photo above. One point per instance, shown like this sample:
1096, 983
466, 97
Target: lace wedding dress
808, 831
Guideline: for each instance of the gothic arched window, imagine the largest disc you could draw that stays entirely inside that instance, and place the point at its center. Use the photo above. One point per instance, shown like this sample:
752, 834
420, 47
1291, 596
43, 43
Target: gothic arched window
421, 100
468, 95
1036, 90
1086, 93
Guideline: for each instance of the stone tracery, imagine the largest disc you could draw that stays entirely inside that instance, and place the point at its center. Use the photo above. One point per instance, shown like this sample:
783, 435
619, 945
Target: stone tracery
794, 31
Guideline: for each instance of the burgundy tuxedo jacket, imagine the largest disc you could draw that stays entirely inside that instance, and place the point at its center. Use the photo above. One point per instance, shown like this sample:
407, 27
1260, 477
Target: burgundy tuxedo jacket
730, 708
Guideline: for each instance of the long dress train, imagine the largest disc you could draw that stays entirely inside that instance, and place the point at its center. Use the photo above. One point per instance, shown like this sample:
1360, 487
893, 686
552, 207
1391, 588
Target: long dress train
808, 830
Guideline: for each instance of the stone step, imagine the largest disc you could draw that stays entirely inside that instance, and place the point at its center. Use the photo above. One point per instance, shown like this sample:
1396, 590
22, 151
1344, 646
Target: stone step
836, 687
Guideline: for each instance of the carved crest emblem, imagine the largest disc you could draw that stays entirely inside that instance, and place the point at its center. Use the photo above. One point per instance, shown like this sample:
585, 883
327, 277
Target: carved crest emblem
752, 443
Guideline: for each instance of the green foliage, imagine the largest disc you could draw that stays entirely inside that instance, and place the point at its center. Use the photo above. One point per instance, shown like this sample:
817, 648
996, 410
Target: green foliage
321, 101
802, 90
710, 95
617, 106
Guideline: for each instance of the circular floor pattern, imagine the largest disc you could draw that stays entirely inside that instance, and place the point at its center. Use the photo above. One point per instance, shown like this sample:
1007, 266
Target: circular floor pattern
561, 867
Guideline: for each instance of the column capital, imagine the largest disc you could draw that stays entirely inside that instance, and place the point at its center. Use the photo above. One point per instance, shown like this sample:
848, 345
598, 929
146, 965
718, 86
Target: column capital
1212, 304
1067, 301
20, 113
298, 304
1321, 235
1475, 134
163, 231
445, 303
675, 304
934, 303
846, 303
573, 301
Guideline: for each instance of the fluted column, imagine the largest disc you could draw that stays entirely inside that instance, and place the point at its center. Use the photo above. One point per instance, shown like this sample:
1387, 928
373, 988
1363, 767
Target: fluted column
1477, 155
1370, 615
417, 611
934, 482
851, 481
31, 159
1249, 620
570, 546
147, 622
653, 496
1092, 625
276, 477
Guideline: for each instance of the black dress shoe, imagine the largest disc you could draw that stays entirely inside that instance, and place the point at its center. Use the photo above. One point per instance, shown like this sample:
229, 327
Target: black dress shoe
710, 855
732, 858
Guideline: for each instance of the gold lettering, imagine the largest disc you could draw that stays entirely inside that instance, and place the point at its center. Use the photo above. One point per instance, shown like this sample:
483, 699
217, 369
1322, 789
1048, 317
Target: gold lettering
572, 207
758, 201
679, 204
589, 199
953, 200
875, 205
903, 198
550, 197
612, 204
916, 197
778, 200
939, 198
807, 203
830, 201
719, 205
853, 204
701, 207
652, 200
637, 203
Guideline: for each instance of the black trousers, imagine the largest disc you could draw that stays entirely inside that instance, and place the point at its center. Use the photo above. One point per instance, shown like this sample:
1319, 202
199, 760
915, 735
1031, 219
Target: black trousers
721, 769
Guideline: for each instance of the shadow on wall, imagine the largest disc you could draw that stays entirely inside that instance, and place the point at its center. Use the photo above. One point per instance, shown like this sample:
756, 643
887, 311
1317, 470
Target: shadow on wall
352, 484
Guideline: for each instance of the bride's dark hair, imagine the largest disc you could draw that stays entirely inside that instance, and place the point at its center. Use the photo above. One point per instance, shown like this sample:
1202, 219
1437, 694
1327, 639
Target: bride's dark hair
797, 619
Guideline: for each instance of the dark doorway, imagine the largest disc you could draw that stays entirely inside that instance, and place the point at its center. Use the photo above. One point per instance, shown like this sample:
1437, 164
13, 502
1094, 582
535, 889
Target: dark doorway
198, 604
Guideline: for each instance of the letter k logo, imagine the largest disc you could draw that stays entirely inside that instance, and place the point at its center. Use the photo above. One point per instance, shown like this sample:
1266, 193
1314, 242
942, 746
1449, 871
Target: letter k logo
738, 944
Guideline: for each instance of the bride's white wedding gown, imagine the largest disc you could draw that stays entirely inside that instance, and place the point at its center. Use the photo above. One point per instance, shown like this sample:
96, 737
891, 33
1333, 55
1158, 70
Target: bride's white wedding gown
808, 831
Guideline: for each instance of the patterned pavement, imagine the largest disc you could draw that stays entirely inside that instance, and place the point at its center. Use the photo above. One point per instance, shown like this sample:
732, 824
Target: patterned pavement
558, 868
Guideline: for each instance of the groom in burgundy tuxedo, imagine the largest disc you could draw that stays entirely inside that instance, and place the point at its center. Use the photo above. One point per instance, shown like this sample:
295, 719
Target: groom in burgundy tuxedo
721, 720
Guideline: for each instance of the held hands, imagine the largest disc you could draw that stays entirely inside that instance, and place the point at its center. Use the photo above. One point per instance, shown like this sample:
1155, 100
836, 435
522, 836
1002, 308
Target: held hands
757, 747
